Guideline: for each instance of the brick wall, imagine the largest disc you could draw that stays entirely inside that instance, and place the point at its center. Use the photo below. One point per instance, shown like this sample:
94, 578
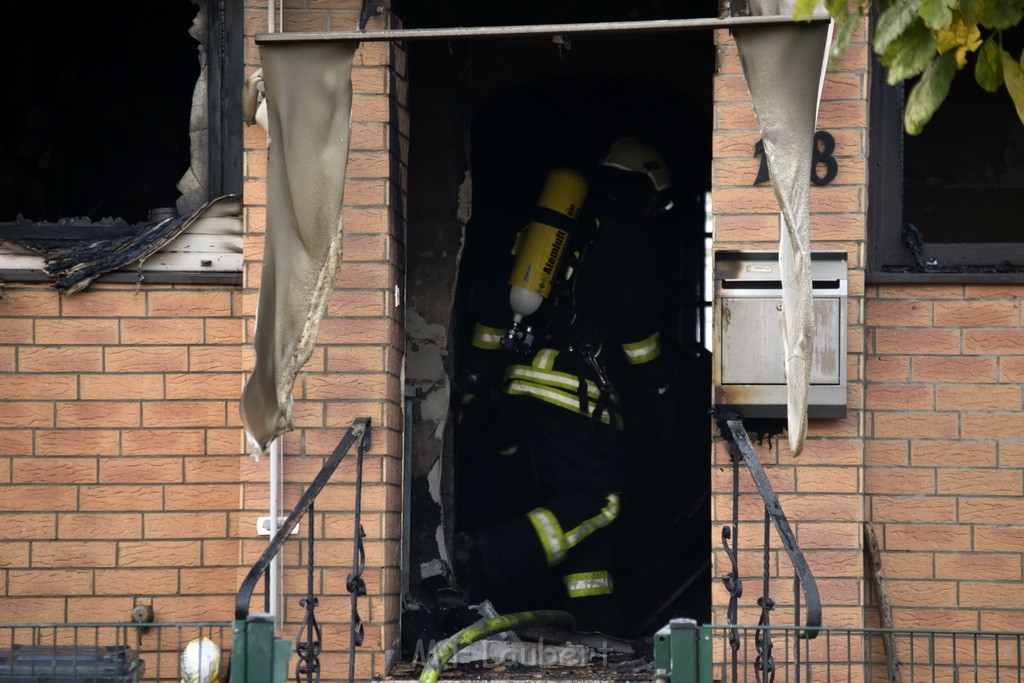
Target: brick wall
124, 477
931, 449
119, 451
945, 464
821, 490
124, 480
355, 369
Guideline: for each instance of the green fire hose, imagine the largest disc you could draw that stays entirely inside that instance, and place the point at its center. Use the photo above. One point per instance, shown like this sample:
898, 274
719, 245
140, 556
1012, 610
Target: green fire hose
447, 648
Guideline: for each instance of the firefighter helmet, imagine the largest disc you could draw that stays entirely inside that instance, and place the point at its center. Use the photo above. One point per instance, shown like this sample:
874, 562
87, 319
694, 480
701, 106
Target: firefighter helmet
629, 154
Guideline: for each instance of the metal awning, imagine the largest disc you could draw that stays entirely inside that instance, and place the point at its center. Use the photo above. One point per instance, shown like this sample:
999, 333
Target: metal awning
608, 28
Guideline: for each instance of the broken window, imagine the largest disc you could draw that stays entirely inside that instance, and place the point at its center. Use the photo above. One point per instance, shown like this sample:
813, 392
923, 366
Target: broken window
948, 203
119, 115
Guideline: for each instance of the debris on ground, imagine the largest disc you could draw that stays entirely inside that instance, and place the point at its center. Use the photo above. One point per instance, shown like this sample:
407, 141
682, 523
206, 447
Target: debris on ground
579, 658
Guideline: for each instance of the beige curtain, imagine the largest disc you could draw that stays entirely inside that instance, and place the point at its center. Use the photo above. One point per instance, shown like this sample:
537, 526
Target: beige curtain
309, 104
784, 66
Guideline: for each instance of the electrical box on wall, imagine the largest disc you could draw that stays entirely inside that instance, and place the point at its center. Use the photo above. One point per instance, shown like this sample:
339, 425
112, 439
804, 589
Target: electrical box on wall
749, 361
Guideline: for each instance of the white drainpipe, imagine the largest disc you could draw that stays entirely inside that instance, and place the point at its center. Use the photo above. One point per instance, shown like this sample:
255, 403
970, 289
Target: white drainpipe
275, 520
275, 445
272, 11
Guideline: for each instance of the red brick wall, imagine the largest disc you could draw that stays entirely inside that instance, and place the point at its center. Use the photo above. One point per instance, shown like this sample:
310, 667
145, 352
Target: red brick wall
822, 490
945, 473
124, 477
355, 369
119, 451
930, 451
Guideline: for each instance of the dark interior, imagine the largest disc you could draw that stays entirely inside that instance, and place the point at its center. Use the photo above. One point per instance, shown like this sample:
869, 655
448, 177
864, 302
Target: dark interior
515, 141
508, 110
972, 191
96, 108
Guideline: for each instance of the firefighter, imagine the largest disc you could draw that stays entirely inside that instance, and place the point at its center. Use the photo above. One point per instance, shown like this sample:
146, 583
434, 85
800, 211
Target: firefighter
573, 340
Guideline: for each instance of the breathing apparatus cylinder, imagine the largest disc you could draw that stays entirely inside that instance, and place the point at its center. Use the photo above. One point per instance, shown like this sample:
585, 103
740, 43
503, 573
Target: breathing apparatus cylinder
540, 247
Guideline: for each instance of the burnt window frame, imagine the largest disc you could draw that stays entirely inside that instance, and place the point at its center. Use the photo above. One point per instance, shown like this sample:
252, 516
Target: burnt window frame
888, 259
225, 51
225, 58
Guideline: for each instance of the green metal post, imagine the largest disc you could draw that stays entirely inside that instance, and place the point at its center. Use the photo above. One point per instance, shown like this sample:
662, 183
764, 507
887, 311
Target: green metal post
704, 655
239, 646
256, 655
282, 653
682, 653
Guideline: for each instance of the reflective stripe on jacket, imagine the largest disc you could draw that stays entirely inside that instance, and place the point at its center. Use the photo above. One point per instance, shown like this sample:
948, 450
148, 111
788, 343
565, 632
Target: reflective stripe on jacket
587, 584
646, 350
555, 542
540, 380
487, 338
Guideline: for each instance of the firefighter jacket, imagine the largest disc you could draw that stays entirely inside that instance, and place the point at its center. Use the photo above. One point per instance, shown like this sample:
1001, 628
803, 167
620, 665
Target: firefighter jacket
599, 331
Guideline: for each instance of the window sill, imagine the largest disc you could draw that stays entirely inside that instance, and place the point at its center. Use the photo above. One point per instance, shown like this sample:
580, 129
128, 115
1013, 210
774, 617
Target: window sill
923, 278
154, 277
203, 247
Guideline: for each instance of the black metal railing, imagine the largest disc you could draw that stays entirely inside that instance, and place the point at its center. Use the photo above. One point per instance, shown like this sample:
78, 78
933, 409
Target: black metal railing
161, 652
688, 653
308, 644
741, 449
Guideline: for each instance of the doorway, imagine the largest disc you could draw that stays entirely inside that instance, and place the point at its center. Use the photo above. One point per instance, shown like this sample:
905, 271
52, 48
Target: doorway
488, 120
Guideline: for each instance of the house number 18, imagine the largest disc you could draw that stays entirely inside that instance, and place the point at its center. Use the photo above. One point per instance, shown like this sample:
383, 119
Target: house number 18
822, 159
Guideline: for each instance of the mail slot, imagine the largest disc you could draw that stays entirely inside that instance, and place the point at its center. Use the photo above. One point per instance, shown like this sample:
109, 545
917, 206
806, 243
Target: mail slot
749, 365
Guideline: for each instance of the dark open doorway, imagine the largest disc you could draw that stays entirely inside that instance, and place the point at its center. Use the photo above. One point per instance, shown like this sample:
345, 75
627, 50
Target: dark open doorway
489, 119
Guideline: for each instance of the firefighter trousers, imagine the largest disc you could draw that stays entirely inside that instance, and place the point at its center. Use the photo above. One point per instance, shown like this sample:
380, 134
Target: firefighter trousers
579, 463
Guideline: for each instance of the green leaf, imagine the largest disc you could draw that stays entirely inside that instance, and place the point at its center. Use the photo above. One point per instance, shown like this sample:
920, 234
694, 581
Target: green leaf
841, 39
1013, 73
908, 56
804, 9
893, 22
839, 8
993, 13
960, 37
936, 13
988, 71
928, 93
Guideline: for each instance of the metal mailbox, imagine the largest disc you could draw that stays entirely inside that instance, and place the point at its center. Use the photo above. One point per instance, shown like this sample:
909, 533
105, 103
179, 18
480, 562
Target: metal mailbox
749, 363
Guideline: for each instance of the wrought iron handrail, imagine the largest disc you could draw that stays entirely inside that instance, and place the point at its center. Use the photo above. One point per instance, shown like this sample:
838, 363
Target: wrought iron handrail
309, 649
354, 581
740, 448
360, 430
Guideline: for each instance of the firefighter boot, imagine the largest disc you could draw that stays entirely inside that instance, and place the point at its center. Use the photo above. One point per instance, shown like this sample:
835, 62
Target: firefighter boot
597, 614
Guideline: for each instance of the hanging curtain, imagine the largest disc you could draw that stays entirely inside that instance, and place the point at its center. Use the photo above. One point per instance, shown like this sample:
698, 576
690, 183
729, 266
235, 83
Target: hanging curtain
308, 90
784, 66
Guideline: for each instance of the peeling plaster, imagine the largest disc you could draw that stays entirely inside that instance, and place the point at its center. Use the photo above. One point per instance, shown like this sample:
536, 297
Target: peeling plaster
434, 484
425, 369
434, 251
433, 568
435, 408
426, 361
418, 327
465, 210
442, 547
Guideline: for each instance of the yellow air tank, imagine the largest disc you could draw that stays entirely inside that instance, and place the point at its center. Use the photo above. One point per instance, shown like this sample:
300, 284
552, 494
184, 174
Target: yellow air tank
541, 246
